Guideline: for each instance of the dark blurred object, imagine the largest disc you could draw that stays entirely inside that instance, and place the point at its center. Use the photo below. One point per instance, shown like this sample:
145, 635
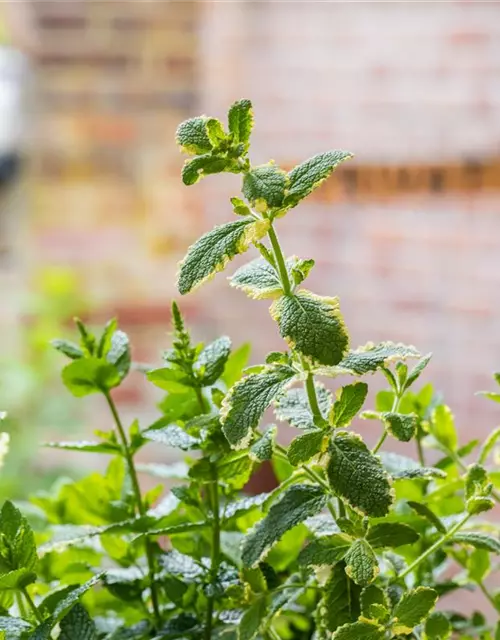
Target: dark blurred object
10, 165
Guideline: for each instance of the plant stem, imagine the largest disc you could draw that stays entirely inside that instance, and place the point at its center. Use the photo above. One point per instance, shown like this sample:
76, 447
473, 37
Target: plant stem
201, 399
215, 559
394, 408
313, 399
488, 595
437, 545
32, 605
381, 441
280, 261
139, 504
420, 451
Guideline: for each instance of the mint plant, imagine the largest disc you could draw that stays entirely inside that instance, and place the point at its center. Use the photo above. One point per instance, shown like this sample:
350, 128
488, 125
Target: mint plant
354, 542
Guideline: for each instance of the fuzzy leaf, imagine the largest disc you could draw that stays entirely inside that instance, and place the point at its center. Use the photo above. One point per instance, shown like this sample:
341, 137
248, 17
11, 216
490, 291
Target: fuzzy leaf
19, 538
293, 406
69, 349
313, 325
375, 604
372, 357
443, 427
252, 620
417, 370
172, 436
488, 445
77, 625
118, 353
420, 472
391, 534
201, 166
358, 476
215, 132
424, 511
295, 505
247, 400
350, 400
438, 627
240, 121
340, 602
263, 448
309, 175
362, 630
90, 375
212, 360
87, 447
192, 136
325, 551
478, 541
67, 603
361, 563
14, 628
258, 279
402, 426
305, 446
215, 249
413, 608
264, 187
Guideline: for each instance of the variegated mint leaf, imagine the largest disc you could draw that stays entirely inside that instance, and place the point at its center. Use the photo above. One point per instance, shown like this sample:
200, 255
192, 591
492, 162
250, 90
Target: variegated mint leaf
240, 122
340, 602
325, 551
211, 362
262, 449
258, 279
305, 446
172, 436
293, 406
350, 400
357, 475
77, 624
361, 563
264, 187
375, 604
362, 630
192, 136
244, 405
391, 534
478, 540
295, 505
312, 325
215, 132
372, 357
401, 426
215, 249
412, 609
309, 175
119, 353
201, 166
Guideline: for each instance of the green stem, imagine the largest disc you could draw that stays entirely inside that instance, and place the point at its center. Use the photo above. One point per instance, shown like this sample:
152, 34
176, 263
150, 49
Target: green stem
201, 399
437, 545
32, 605
313, 400
215, 558
280, 261
139, 504
381, 441
273, 634
488, 595
394, 408
420, 451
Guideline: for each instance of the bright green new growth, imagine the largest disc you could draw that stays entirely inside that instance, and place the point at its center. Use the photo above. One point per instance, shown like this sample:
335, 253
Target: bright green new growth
354, 543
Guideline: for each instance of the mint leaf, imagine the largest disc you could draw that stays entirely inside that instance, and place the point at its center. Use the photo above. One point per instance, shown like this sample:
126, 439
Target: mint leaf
305, 446
488, 445
212, 360
14, 628
358, 476
361, 563
442, 427
90, 375
313, 325
362, 630
192, 136
293, 406
215, 249
478, 541
258, 279
417, 370
172, 436
438, 627
77, 624
420, 472
413, 608
350, 400
391, 534
118, 353
340, 602
64, 606
215, 132
372, 357
424, 511
235, 364
325, 551
375, 604
252, 619
240, 121
197, 168
401, 425
18, 552
69, 349
17, 579
263, 448
309, 175
294, 505
247, 400
264, 187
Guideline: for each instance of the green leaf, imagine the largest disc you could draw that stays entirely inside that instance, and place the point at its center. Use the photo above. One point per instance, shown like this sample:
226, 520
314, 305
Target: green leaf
478, 565
300, 270
263, 448
294, 505
488, 445
172, 380
350, 400
402, 426
247, 400
313, 325
240, 208
340, 602
240, 121
197, 168
105, 340
372, 357
211, 253
90, 375
258, 279
19, 538
325, 551
413, 608
491, 395
64, 605
212, 360
17, 579
309, 175
252, 619
361, 563
13, 627
362, 630
293, 406
69, 349
358, 476
264, 187
375, 604
192, 136
172, 436
424, 511
87, 447
391, 534
438, 627
77, 625
215, 132
420, 473
417, 370
443, 427
235, 364
305, 446
478, 541
119, 353
477, 490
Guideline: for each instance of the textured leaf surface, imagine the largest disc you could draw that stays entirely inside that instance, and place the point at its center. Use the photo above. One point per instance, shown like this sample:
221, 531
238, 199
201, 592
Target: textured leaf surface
90, 375
313, 325
340, 602
371, 596
69, 349
258, 279
201, 166
413, 608
358, 476
13, 627
402, 426
20, 540
349, 402
240, 121
247, 400
263, 448
421, 472
192, 136
309, 175
118, 353
85, 446
424, 511
372, 357
478, 541
78, 625
391, 534
361, 563
325, 551
305, 446
264, 186
362, 630
73, 597
172, 436
215, 249
297, 503
293, 406
212, 360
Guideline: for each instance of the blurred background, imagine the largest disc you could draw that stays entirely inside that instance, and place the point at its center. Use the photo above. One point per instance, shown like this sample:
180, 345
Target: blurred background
94, 218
